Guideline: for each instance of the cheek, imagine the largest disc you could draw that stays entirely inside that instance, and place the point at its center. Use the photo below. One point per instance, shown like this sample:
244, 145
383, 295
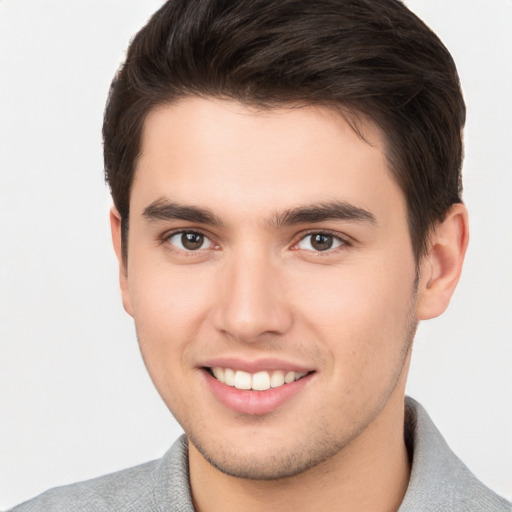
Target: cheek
362, 316
169, 307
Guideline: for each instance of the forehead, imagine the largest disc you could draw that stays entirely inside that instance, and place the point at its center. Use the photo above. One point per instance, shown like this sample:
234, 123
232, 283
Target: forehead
219, 153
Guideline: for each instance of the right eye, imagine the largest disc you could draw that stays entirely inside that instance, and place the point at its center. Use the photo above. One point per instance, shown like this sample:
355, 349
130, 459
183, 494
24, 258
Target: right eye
320, 242
189, 241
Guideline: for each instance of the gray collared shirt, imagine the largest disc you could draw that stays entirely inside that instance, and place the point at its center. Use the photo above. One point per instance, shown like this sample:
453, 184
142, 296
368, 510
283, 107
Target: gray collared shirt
439, 481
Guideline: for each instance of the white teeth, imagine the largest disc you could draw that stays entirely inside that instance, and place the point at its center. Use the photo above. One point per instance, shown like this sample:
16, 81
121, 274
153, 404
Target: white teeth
229, 377
242, 380
219, 373
260, 381
289, 377
277, 379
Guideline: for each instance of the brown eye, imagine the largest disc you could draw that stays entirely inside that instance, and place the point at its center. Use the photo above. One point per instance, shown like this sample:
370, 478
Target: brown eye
192, 241
189, 241
319, 242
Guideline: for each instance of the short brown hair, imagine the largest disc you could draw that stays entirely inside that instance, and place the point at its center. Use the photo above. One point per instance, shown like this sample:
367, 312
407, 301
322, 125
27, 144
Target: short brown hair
371, 58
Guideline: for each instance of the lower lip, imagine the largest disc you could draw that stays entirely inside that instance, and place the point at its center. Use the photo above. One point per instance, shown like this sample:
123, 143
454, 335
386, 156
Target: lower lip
254, 402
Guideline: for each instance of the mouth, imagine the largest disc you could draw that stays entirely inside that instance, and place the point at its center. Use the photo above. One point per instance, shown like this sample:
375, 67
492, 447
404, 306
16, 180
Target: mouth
258, 381
256, 387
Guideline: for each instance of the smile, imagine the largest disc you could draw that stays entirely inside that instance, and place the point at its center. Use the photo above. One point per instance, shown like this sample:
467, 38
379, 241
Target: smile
259, 381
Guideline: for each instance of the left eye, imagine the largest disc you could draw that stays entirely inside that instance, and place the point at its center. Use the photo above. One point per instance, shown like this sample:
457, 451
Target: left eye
189, 241
320, 242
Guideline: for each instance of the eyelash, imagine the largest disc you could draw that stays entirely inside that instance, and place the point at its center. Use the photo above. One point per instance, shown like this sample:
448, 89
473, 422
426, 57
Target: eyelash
344, 241
165, 240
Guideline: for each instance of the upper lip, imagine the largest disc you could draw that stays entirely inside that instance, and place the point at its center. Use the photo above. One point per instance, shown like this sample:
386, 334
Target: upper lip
255, 365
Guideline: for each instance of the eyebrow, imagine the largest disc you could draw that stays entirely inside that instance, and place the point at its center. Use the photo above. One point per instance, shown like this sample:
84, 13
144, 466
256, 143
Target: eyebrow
161, 209
319, 212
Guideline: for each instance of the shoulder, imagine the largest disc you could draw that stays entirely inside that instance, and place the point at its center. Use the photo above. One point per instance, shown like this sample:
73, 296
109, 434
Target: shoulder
155, 486
439, 479
109, 492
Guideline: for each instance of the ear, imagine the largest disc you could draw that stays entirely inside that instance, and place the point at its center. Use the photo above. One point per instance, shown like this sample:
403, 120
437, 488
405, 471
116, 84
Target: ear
440, 269
115, 226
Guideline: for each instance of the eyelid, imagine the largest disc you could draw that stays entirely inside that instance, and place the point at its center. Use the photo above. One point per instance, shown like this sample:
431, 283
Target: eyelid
345, 240
167, 235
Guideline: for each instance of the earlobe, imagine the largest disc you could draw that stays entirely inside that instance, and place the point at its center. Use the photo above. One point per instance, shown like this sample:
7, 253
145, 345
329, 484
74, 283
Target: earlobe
115, 227
441, 267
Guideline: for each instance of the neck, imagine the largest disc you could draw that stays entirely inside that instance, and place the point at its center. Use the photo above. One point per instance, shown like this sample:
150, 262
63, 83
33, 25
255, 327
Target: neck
371, 473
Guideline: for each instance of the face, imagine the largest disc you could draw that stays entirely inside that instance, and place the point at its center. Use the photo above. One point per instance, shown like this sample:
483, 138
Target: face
272, 281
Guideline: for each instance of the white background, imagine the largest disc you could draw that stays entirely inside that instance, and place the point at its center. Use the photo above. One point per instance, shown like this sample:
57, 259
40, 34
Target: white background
75, 398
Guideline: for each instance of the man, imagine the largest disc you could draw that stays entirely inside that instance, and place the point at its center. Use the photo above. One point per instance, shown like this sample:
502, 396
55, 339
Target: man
286, 181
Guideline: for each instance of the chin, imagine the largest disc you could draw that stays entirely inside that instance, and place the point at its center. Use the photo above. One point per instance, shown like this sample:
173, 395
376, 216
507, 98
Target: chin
268, 464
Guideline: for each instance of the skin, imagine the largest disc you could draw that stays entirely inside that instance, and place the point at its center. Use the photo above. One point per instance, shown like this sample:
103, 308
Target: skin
257, 288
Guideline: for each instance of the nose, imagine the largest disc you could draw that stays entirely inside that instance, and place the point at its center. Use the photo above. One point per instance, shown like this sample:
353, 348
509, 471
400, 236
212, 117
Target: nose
252, 303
